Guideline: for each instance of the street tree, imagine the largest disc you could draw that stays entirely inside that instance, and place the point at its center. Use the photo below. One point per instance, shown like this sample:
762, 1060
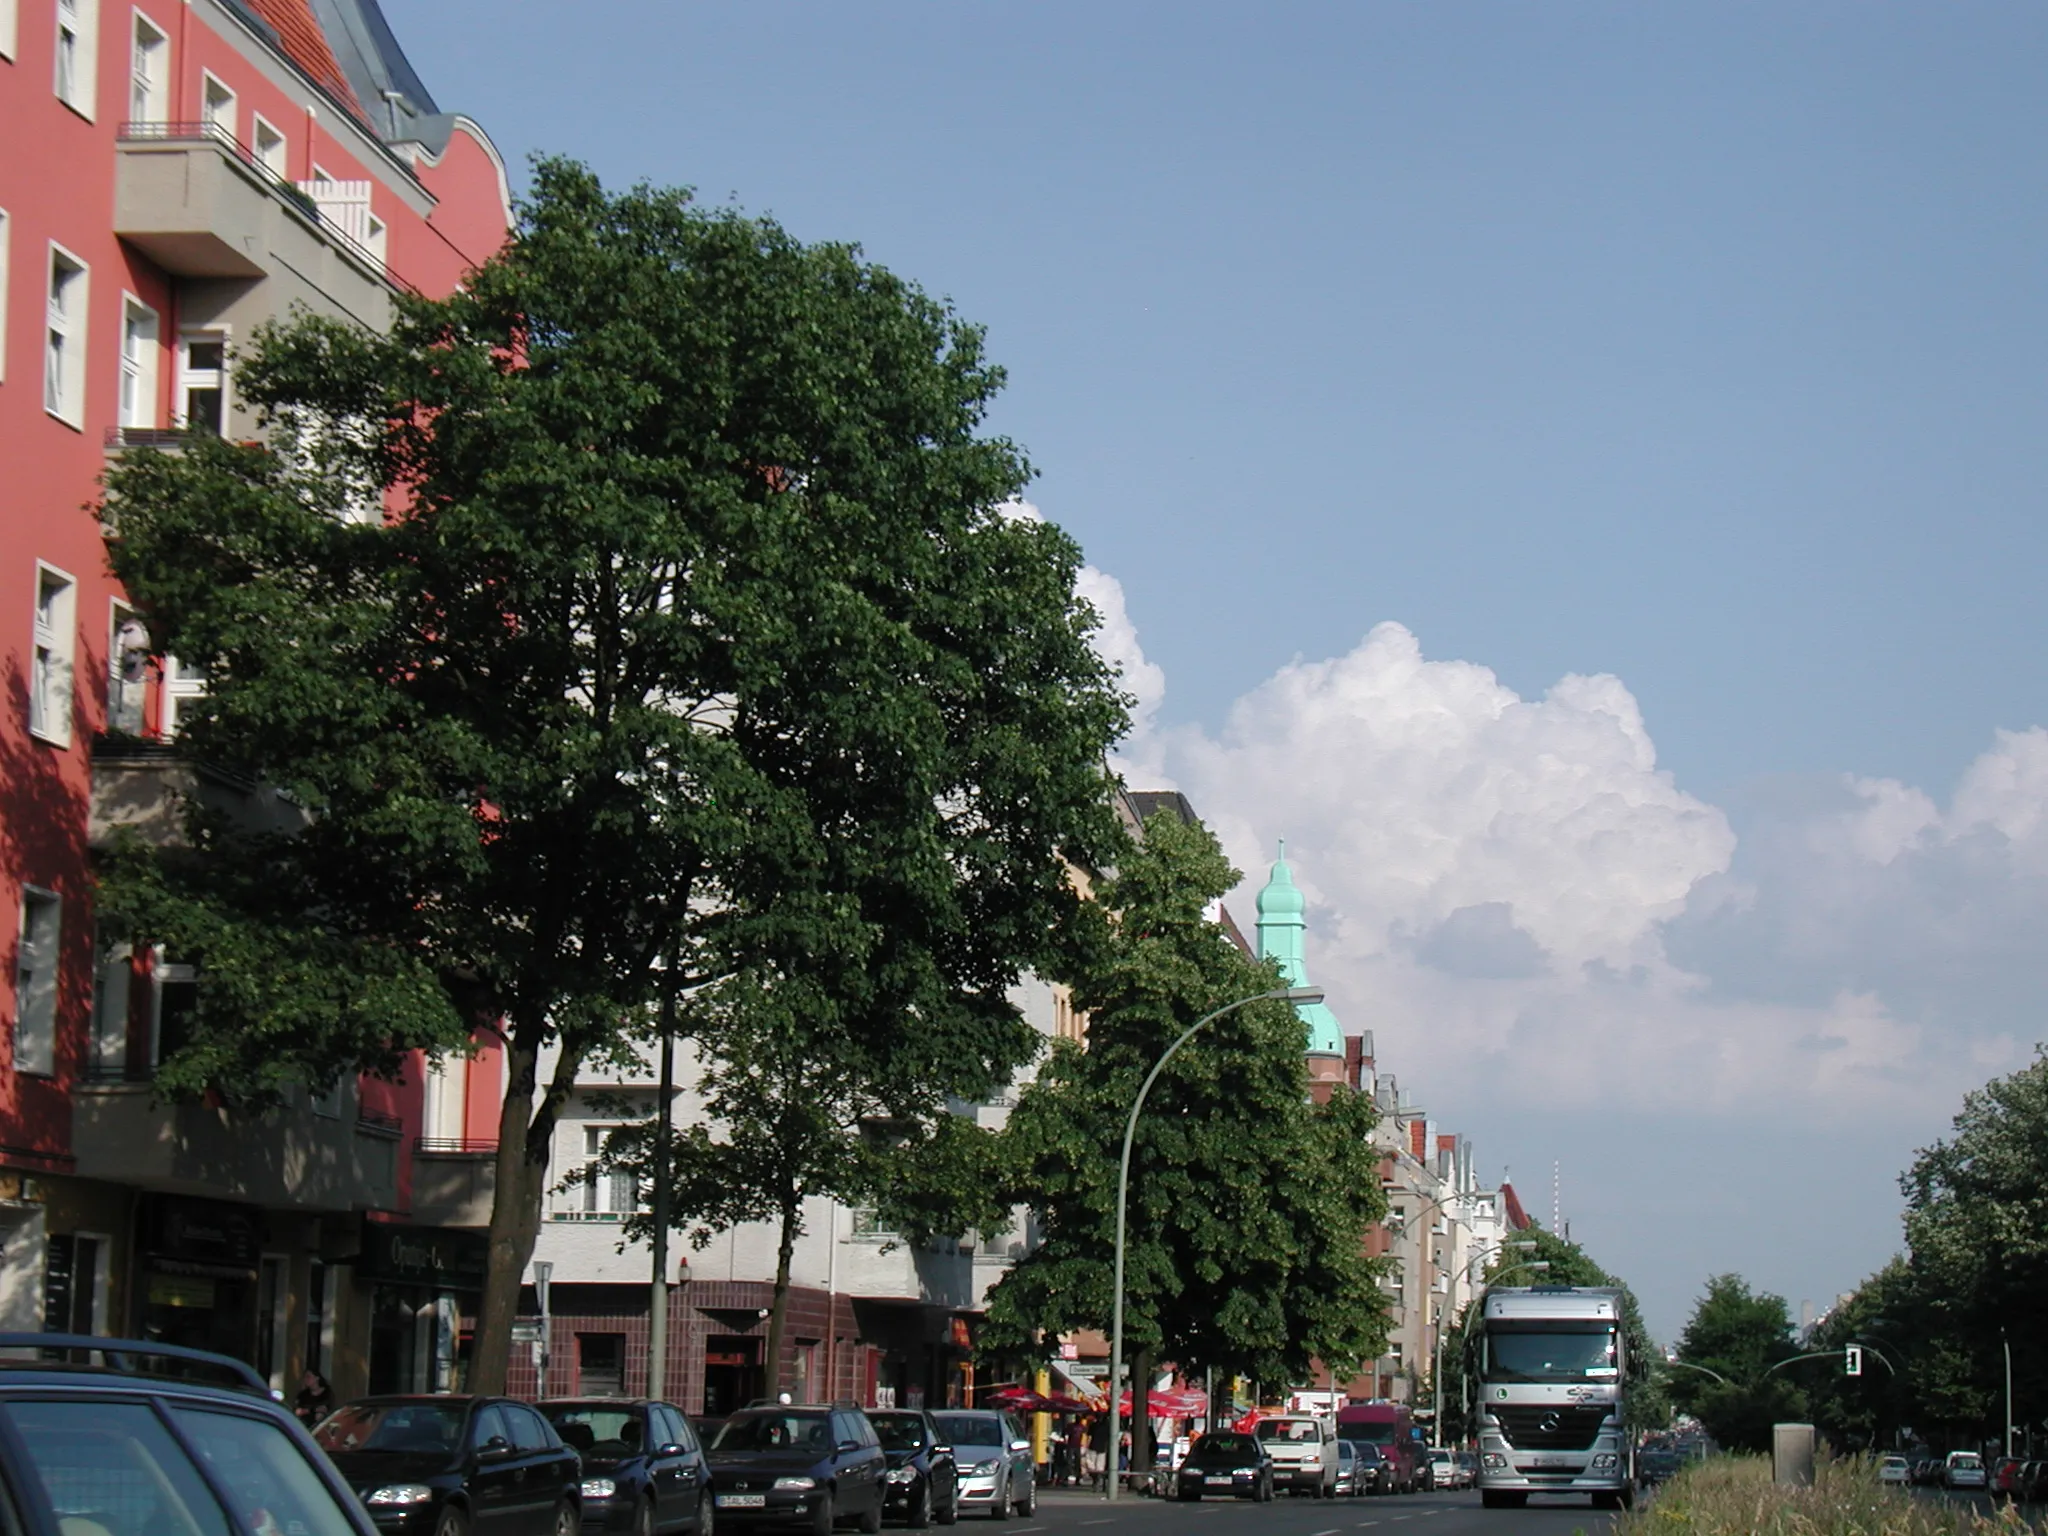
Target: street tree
1249, 1203
1727, 1353
641, 615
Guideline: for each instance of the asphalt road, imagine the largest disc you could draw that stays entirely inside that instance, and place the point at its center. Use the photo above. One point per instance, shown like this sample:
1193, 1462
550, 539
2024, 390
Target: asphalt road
1423, 1514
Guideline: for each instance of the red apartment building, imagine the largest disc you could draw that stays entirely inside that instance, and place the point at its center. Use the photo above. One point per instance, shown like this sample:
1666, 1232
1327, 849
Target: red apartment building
175, 172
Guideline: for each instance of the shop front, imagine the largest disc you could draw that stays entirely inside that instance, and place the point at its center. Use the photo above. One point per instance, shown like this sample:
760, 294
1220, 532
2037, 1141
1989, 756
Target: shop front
199, 1272
423, 1284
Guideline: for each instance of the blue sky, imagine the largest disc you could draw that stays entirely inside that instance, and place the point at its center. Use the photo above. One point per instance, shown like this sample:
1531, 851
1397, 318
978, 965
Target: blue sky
1701, 345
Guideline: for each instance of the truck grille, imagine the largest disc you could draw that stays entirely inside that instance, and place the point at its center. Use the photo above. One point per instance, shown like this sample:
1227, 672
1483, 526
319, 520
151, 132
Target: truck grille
1551, 1427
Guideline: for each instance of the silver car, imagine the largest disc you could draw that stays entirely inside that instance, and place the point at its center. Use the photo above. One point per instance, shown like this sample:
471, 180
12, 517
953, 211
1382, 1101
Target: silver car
994, 1458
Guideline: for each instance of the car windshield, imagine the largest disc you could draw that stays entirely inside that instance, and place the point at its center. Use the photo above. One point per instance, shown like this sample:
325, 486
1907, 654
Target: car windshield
1370, 1434
1550, 1354
396, 1427
1365, 1450
899, 1431
1225, 1447
971, 1429
775, 1432
597, 1431
1289, 1429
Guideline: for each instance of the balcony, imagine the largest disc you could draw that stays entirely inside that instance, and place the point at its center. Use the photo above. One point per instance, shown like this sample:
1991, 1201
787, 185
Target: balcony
144, 785
199, 203
293, 1159
453, 1182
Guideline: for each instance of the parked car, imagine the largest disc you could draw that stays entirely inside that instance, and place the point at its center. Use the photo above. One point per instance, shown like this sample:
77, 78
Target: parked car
996, 1470
1443, 1470
1226, 1464
1375, 1473
1304, 1452
1468, 1469
644, 1472
1926, 1471
1895, 1469
2003, 1477
1347, 1471
1654, 1467
1963, 1469
775, 1464
126, 1438
924, 1479
2034, 1481
455, 1466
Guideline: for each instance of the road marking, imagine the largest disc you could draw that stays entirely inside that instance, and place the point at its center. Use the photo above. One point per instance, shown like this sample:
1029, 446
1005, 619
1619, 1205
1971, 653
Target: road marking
1095, 1522
1332, 1531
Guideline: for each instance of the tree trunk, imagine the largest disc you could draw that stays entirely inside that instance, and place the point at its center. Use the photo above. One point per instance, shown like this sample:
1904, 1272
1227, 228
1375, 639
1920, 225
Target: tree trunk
778, 1309
525, 1130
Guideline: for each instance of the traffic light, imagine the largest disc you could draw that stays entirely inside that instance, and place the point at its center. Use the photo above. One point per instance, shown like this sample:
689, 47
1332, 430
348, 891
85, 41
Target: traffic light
1852, 1360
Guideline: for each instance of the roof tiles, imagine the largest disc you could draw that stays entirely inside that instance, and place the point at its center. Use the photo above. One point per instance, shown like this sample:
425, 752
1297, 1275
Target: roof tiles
300, 36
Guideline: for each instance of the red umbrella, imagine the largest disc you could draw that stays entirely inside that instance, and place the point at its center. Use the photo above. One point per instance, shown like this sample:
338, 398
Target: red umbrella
1173, 1403
1020, 1400
1065, 1402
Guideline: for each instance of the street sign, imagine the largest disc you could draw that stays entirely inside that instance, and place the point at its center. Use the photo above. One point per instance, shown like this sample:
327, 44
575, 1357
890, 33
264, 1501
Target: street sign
525, 1330
1852, 1360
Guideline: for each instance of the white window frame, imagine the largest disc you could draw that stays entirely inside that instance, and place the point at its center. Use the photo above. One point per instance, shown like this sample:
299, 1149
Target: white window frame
10, 26
149, 70
190, 378
53, 652
269, 145
120, 685
180, 687
226, 111
67, 307
35, 984
77, 52
599, 1196
141, 347
162, 973
112, 989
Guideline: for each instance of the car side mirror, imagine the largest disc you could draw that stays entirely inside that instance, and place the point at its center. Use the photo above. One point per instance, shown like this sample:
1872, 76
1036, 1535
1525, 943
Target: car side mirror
846, 1446
670, 1450
1020, 1445
496, 1446
942, 1450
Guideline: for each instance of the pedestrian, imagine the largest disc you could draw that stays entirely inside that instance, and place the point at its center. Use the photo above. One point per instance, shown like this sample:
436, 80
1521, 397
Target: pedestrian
315, 1400
1094, 1458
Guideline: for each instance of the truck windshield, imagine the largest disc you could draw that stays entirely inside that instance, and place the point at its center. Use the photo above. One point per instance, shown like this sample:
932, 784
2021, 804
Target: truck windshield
1553, 1354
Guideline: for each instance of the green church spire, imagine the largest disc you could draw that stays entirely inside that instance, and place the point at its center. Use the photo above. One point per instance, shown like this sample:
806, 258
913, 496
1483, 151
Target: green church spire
1283, 925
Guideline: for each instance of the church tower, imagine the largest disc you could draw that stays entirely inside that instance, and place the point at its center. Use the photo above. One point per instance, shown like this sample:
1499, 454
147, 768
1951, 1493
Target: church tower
1283, 927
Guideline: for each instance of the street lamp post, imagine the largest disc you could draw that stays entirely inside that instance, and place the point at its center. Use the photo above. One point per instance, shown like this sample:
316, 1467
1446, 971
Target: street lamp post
1123, 1183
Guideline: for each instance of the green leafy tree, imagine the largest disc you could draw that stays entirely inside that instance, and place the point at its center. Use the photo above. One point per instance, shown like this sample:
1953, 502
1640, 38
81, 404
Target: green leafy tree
1884, 1314
695, 640
1249, 1203
1733, 1340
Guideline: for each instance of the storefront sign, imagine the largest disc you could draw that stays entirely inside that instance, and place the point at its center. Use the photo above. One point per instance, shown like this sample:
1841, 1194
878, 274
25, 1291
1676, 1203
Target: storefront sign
202, 1237
438, 1258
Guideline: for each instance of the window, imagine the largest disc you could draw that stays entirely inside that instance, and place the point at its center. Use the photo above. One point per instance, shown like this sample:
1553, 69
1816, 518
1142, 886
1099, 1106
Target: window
114, 1467
202, 381
610, 1193
183, 684
259, 1466
217, 108
56, 629
373, 237
601, 1364
7, 28
78, 27
64, 359
138, 363
110, 1010
176, 991
148, 73
35, 982
867, 1224
127, 669
271, 151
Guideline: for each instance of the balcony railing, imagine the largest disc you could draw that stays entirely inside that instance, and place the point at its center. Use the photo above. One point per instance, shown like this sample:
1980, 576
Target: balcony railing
370, 1123
454, 1145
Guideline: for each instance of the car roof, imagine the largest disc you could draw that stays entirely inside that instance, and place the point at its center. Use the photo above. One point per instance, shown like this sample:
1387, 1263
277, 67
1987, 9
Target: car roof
603, 1402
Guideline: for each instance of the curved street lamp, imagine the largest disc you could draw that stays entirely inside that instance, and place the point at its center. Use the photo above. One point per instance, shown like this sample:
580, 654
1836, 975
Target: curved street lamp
1123, 1183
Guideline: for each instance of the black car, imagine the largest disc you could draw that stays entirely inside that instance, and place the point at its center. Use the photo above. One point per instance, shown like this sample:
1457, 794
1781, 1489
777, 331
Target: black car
806, 1465
643, 1471
923, 1483
455, 1466
1226, 1464
100, 1442
1373, 1473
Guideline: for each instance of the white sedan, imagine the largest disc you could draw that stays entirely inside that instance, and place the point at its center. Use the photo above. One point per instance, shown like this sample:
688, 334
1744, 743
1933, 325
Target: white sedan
1895, 1469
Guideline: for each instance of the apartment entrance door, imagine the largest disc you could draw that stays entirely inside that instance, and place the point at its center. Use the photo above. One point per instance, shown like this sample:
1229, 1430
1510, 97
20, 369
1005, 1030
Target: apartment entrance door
732, 1374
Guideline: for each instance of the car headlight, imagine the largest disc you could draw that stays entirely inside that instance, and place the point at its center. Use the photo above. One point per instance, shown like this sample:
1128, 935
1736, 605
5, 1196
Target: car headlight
599, 1488
903, 1474
796, 1484
982, 1468
401, 1493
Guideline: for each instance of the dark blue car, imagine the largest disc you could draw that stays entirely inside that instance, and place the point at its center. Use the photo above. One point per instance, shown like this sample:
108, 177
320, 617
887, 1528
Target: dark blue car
643, 1470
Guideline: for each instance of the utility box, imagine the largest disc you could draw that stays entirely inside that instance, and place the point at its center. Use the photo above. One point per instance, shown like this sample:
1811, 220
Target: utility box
1792, 1454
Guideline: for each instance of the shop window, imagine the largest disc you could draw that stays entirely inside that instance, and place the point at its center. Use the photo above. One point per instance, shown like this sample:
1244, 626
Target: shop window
35, 982
601, 1364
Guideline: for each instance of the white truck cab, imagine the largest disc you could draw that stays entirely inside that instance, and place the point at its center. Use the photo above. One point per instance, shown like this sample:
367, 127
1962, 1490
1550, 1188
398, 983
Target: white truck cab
1550, 1377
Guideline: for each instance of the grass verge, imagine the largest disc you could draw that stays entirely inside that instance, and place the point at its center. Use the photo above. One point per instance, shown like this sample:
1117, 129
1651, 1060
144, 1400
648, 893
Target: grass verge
1734, 1496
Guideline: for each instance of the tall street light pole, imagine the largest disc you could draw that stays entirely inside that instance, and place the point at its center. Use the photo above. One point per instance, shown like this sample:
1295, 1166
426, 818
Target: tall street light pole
657, 1290
1436, 1379
1123, 1184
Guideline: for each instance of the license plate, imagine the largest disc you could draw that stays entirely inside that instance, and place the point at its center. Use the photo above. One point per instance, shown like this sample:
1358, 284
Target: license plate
743, 1501
1217, 1482
1552, 1461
